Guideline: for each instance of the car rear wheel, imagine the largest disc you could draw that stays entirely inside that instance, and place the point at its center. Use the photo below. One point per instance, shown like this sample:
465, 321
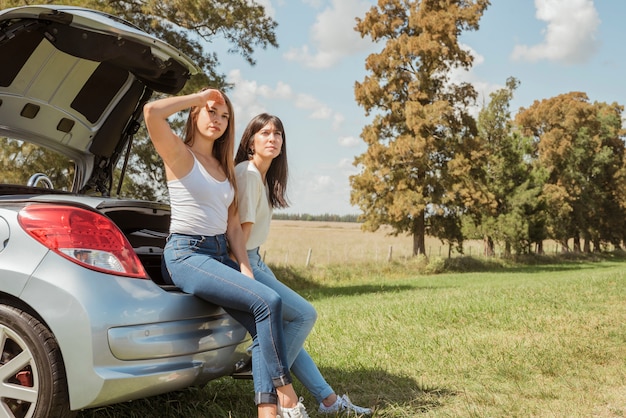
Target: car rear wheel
32, 376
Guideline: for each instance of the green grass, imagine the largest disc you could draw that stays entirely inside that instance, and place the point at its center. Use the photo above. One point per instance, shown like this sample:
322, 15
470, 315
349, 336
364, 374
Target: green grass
540, 339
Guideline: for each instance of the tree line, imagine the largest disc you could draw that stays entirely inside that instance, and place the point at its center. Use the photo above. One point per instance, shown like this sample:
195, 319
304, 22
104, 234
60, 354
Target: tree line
555, 170
325, 217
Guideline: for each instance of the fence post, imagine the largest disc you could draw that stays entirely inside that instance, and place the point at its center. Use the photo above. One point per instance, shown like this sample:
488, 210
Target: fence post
390, 251
308, 257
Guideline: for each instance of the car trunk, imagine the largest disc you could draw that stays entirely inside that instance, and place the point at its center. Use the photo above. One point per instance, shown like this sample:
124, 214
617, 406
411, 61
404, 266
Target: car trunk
146, 227
75, 82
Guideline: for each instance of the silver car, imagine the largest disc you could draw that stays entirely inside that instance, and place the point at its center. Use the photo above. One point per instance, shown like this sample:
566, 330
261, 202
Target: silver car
86, 317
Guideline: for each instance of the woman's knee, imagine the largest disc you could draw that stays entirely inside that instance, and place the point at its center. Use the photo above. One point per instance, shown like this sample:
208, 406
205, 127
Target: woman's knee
269, 301
273, 300
299, 310
308, 313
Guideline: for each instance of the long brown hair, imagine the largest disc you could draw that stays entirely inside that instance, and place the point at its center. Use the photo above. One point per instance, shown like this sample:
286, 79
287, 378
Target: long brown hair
223, 146
278, 172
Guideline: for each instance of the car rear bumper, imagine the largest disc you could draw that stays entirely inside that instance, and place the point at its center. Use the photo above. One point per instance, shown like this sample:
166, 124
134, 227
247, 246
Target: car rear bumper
143, 379
123, 339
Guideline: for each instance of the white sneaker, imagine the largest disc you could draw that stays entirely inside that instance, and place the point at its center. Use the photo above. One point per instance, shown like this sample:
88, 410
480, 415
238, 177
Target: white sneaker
298, 411
343, 404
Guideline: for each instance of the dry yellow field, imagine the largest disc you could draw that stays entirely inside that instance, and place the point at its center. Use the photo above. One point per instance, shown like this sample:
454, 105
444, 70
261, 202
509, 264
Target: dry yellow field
295, 242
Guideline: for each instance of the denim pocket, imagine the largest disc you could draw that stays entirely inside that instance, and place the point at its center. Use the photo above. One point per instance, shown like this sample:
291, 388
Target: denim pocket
182, 247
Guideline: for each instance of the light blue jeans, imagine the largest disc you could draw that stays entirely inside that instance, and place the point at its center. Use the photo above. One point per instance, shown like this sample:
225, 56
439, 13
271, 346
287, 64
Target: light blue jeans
200, 265
298, 319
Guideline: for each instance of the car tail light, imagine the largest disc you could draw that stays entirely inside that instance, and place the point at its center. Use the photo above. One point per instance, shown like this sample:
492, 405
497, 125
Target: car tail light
82, 236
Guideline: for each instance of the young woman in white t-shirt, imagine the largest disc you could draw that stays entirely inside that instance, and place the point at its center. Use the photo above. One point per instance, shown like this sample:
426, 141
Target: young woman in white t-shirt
262, 171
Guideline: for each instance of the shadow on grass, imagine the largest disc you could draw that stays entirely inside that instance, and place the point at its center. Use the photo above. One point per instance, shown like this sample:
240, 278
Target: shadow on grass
301, 280
326, 292
388, 395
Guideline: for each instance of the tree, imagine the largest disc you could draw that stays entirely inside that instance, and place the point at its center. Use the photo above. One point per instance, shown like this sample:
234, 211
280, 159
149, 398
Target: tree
422, 138
610, 219
32, 159
514, 218
581, 148
190, 26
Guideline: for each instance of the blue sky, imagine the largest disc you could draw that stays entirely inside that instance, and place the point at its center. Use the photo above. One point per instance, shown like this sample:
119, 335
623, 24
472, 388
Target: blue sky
551, 46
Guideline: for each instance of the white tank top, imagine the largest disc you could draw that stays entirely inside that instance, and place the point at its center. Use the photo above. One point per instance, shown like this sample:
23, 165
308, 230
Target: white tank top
199, 203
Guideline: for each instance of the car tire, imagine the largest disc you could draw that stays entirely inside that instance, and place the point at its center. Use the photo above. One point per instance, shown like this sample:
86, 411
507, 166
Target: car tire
32, 375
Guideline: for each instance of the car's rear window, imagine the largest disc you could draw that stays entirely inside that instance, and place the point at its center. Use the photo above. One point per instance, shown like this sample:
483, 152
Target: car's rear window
22, 162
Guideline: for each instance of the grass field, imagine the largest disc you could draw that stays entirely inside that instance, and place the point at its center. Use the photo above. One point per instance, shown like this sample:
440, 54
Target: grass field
546, 339
321, 243
291, 242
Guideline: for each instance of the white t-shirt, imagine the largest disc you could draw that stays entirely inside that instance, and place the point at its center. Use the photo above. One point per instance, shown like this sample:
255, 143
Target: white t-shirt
199, 203
254, 205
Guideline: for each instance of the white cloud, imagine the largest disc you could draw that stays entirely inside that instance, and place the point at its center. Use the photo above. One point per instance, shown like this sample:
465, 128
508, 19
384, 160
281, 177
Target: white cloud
347, 166
349, 141
322, 183
338, 120
317, 108
483, 88
570, 33
250, 98
333, 36
283, 91
315, 193
247, 94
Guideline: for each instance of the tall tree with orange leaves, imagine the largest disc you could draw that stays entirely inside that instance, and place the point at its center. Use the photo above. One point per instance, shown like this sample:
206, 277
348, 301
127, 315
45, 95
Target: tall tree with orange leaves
417, 172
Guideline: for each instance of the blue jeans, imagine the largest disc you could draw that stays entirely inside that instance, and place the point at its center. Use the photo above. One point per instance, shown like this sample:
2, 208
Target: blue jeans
200, 265
298, 319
